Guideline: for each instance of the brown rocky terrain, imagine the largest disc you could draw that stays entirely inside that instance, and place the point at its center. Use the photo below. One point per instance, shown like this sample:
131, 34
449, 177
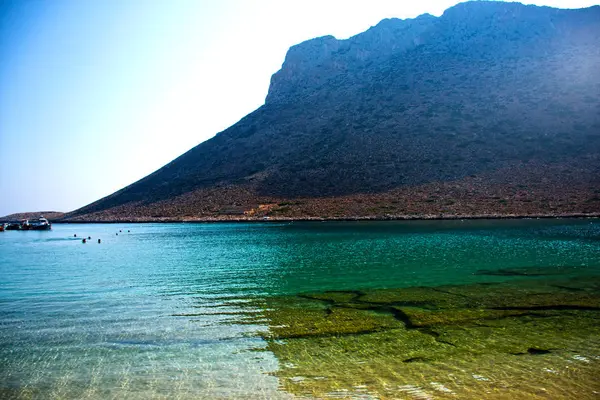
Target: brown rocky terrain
531, 191
492, 109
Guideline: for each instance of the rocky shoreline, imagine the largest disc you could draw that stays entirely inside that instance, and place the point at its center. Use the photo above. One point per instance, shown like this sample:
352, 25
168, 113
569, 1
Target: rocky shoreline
425, 217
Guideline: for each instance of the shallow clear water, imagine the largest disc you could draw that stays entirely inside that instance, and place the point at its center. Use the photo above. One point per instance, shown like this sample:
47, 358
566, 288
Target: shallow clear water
193, 310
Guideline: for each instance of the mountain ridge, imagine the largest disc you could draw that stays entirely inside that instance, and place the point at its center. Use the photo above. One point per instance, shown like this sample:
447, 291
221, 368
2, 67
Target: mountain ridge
403, 105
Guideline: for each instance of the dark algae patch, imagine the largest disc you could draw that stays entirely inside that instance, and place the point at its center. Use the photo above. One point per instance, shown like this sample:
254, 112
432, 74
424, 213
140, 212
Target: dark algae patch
521, 339
530, 271
533, 351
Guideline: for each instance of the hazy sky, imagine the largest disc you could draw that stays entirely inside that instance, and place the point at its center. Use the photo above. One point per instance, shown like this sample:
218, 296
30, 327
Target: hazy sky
96, 94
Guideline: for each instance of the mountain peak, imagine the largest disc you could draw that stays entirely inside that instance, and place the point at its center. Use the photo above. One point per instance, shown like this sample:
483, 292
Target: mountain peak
314, 62
300, 60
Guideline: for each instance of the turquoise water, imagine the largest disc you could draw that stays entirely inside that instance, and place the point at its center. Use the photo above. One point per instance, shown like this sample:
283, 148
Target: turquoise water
160, 310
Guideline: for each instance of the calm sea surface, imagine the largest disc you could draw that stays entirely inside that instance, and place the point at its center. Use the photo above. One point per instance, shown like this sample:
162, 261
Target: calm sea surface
416, 310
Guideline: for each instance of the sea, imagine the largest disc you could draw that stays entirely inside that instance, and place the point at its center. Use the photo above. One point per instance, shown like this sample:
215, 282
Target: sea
473, 309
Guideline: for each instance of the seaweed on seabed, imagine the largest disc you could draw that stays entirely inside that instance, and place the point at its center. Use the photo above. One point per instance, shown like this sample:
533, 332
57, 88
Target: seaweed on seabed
334, 297
416, 359
388, 337
533, 351
528, 271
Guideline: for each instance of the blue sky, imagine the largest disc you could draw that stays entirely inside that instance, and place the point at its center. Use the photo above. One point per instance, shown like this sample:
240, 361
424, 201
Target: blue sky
97, 94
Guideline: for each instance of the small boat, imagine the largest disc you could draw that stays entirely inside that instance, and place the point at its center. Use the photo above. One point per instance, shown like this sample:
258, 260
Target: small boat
13, 226
41, 224
1, 227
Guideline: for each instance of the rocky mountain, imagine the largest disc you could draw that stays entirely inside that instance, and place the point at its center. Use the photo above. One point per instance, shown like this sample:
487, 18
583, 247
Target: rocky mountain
492, 108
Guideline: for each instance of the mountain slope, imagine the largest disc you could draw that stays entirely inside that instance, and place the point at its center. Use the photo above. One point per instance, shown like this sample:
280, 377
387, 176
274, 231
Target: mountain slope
493, 98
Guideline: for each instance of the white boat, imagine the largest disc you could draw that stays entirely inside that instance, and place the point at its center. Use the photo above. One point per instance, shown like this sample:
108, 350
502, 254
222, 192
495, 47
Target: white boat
41, 224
